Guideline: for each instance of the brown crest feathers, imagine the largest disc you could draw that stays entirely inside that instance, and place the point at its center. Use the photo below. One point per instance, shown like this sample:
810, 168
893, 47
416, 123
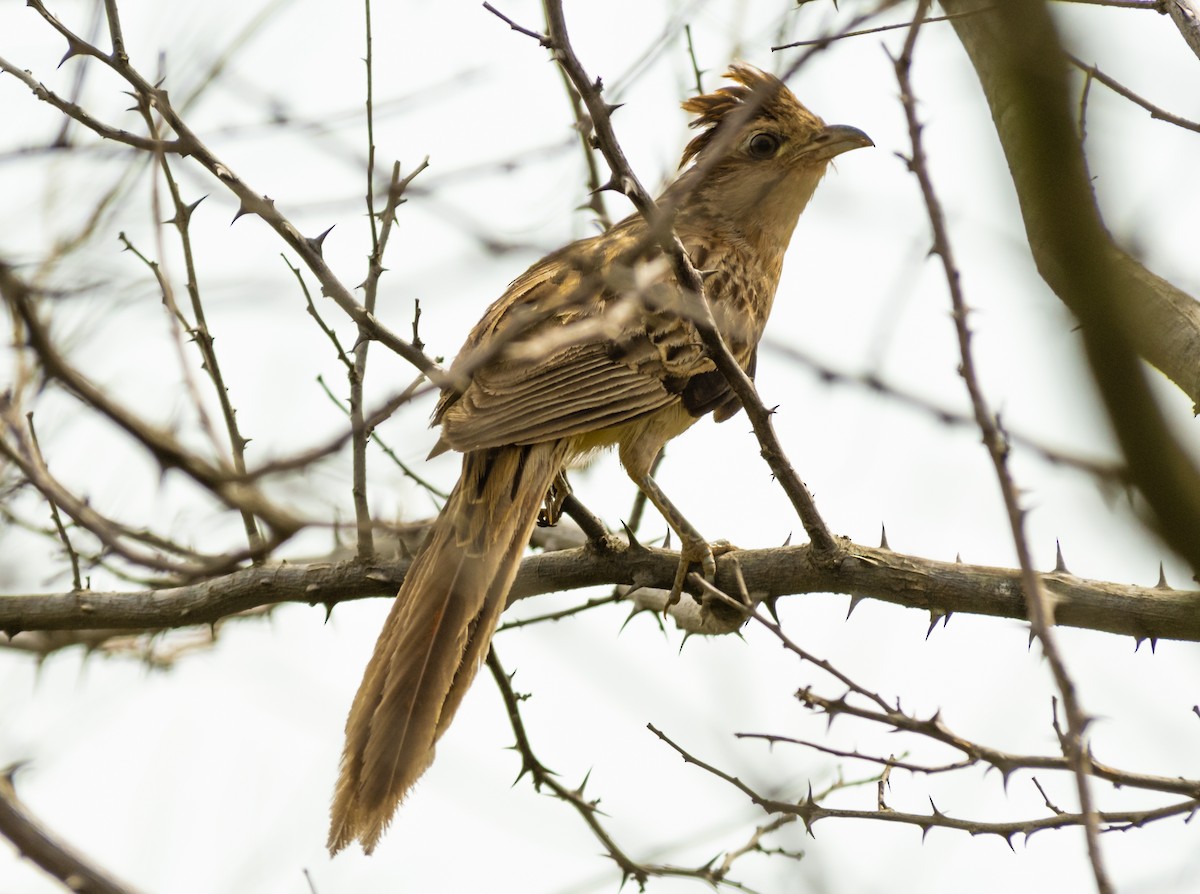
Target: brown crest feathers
774, 102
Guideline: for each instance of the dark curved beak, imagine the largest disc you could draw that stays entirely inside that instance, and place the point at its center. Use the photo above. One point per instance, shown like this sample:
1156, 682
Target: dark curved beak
836, 139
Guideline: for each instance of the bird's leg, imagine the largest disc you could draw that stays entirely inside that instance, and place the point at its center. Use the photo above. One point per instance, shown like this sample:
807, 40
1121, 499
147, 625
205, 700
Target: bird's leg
560, 490
693, 548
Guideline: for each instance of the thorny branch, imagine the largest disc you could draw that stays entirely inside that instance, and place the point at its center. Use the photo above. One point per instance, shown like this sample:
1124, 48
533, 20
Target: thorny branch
588, 809
809, 810
1074, 743
939, 588
878, 710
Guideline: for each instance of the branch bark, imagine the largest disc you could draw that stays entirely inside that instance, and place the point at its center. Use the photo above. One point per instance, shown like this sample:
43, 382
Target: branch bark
940, 588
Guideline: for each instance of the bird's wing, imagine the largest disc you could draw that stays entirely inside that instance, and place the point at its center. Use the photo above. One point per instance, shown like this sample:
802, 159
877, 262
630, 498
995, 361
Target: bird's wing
581, 342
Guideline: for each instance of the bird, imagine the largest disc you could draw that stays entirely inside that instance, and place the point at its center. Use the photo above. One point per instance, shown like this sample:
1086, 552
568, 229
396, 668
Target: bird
587, 349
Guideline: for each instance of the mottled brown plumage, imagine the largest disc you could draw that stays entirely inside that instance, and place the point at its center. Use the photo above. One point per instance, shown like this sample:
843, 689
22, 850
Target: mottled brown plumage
587, 349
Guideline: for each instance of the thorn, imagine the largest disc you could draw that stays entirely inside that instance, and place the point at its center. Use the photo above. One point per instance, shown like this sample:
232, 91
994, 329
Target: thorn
667, 540
1137, 642
935, 615
1060, 565
788, 540
611, 107
583, 785
854, 602
1029, 645
184, 215
329, 610
243, 208
958, 559
1005, 775
1153, 644
634, 543
634, 612
613, 184
936, 812
883, 544
74, 48
1162, 579
771, 602
318, 241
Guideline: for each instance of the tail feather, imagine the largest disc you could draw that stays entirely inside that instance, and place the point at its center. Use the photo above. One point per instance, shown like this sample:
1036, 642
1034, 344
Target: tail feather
437, 634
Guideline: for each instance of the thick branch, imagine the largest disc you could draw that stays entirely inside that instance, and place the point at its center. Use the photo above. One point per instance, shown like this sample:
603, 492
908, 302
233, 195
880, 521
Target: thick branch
1122, 307
940, 588
1164, 320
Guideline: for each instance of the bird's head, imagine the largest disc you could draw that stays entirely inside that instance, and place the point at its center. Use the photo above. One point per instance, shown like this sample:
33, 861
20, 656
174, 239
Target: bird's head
760, 154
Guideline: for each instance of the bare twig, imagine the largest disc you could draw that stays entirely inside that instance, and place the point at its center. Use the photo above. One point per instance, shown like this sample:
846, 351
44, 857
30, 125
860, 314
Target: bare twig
1094, 73
250, 201
828, 39
76, 580
586, 808
810, 811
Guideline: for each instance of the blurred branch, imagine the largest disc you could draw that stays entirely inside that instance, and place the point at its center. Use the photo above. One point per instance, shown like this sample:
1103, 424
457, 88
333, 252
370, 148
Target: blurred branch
1186, 16
1119, 88
250, 202
1124, 309
1110, 473
38, 845
165, 447
842, 35
162, 555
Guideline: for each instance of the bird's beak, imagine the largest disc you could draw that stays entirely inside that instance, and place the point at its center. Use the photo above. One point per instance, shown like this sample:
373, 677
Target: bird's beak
836, 139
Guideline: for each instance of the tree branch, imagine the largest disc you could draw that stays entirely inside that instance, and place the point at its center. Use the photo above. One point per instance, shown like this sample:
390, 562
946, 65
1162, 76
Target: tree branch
940, 588
37, 844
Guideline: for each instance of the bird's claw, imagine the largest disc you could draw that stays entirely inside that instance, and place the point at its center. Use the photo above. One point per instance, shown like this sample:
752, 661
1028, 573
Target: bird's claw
693, 551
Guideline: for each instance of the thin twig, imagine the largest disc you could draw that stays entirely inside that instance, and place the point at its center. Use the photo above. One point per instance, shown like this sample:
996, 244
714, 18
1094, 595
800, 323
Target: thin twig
825, 41
1116, 86
76, 580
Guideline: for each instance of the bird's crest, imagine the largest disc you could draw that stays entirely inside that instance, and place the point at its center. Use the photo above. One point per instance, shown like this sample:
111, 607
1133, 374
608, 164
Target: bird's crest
774, 101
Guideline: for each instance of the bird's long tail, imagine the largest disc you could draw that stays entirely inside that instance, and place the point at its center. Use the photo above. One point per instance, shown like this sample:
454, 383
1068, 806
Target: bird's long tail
437, 634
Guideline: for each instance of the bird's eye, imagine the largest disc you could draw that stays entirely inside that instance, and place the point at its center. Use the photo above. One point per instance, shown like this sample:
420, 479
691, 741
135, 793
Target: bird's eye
764, 144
